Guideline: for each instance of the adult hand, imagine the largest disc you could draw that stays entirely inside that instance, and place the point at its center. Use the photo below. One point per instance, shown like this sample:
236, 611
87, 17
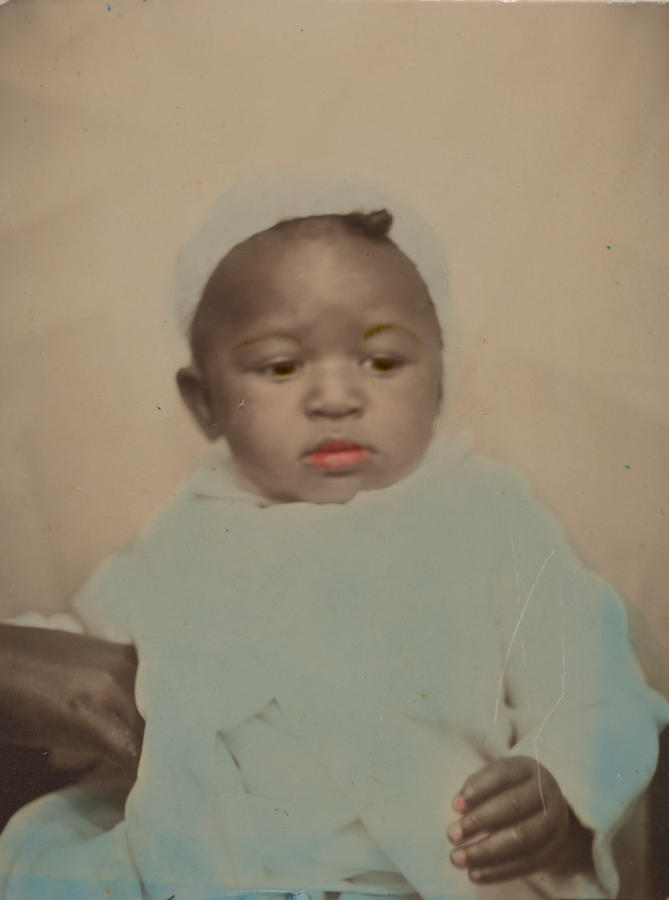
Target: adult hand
59, 689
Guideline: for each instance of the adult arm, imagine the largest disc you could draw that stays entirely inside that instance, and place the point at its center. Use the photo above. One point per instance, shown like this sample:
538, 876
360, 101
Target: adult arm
63, 690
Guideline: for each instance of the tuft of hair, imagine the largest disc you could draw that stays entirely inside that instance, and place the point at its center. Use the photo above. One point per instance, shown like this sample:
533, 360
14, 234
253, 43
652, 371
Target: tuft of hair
374, 225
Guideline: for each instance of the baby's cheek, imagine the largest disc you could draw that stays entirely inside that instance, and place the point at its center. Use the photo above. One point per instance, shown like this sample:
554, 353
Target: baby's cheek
269, 433
247, 404
415, 413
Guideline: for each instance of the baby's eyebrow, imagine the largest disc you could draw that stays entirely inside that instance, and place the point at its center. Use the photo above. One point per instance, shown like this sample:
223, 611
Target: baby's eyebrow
387, 326
265, 337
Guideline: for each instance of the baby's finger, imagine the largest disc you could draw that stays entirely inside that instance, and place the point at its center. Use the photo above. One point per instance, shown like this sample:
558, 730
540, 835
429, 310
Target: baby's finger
491, 779
525, 864
513, 805
517, 841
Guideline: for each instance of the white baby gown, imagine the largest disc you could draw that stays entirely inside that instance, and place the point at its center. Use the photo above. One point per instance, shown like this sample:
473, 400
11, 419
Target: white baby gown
318, 681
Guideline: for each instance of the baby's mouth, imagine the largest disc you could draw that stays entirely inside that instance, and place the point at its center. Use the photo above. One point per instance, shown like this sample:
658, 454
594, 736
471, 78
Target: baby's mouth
338, 454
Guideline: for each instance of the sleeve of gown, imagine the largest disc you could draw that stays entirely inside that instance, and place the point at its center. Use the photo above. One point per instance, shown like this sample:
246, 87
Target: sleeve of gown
101, 607
105, 601
576, 693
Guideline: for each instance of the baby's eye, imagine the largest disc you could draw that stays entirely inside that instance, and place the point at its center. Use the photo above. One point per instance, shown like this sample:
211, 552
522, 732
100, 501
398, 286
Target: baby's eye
383, 365
281, 369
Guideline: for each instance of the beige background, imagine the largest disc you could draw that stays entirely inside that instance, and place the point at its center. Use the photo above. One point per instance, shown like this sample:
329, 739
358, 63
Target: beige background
535, 138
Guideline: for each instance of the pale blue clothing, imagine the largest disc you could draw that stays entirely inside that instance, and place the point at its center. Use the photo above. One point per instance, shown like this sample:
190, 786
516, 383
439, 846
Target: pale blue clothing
319, 680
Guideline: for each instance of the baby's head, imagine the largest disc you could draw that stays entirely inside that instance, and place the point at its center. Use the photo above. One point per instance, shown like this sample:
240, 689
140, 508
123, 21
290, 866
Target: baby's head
317, 354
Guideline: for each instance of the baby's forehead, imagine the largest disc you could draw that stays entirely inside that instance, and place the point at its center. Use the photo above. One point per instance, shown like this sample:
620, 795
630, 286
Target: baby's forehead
274, 280
272, 259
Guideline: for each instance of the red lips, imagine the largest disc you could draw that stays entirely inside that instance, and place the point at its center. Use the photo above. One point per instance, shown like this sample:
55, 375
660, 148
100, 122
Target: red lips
338, 454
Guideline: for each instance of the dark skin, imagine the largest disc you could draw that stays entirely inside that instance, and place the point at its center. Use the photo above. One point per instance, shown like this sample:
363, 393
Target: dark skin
518, 822
69, 691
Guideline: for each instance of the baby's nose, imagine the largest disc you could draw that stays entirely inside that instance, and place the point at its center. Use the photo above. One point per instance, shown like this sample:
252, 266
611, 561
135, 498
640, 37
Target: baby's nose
335, 393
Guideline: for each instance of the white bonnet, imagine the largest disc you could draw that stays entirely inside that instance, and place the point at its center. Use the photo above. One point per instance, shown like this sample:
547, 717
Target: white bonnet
258, 202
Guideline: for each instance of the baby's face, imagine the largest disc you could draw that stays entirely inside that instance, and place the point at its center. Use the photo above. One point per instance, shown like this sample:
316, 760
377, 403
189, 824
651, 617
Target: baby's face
322, 368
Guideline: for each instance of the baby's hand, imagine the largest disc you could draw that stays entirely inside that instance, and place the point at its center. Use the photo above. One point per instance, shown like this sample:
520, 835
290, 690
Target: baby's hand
515, 821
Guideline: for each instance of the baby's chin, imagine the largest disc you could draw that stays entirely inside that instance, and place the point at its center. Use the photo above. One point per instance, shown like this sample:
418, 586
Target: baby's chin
322, 489
339, 488
332, 491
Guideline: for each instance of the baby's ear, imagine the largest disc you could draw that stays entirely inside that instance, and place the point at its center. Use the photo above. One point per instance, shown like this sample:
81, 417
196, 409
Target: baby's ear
195, 394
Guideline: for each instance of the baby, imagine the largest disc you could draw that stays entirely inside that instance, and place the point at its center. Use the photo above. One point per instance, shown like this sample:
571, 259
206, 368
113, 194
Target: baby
317, 355
368, 664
